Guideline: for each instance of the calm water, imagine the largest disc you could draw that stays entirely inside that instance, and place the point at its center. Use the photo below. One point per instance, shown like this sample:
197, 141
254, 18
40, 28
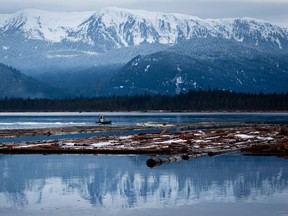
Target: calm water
123, 185
40, 120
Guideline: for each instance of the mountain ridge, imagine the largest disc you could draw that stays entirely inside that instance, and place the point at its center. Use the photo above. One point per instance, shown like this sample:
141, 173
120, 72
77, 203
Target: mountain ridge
202, 63
84, 39
48, 43
159, 27
14, 83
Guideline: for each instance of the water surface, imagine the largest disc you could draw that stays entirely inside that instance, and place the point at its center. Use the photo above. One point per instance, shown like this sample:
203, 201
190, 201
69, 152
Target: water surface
124, 185
46, 120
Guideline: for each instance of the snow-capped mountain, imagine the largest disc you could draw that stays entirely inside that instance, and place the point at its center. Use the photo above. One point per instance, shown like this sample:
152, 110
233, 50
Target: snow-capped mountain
122, 27
116, 28
34, 38
37, 41
33, 24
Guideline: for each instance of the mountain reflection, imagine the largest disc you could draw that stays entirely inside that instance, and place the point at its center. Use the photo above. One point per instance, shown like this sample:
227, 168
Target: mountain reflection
126, 182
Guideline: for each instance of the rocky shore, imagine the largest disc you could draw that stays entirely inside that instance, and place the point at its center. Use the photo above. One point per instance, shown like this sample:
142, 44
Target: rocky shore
181, 140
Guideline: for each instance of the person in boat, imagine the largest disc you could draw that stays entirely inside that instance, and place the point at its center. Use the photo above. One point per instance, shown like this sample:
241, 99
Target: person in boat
101, 119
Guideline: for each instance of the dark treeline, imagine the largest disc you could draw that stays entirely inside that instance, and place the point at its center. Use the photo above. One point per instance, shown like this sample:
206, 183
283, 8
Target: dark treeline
210, 100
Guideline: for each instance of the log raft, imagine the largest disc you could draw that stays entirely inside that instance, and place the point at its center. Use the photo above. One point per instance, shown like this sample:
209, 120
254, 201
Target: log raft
179, 145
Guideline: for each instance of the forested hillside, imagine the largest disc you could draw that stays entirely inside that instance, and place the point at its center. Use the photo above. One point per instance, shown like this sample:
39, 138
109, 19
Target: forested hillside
211, 100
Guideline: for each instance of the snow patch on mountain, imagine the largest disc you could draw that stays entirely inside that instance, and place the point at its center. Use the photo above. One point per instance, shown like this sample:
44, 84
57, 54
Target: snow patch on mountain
147, 68
5, 47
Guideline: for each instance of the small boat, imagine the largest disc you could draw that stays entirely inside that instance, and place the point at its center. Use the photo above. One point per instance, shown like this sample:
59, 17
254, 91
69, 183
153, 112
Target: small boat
103, 121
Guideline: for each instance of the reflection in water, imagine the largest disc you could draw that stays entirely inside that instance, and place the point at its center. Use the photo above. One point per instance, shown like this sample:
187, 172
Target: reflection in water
35, 184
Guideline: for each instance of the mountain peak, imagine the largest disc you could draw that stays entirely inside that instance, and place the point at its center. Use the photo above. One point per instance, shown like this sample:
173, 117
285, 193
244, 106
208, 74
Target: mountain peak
44, 25
71, 34
128, 27
145, 14
40, 40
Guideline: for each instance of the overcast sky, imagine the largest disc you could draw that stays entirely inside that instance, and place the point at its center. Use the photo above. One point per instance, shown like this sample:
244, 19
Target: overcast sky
275, 11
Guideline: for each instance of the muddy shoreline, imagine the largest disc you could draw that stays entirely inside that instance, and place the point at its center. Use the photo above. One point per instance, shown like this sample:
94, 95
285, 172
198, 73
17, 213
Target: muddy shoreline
180, 141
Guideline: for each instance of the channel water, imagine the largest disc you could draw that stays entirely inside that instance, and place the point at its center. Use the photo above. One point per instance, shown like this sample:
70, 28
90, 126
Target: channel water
46, 120
123, 185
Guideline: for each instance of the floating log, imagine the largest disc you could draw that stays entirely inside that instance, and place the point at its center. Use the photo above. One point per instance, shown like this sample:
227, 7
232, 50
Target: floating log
190, 156
152, 162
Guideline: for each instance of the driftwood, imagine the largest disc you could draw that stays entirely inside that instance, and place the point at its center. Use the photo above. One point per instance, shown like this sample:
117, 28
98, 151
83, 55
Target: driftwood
155, 161
152, 162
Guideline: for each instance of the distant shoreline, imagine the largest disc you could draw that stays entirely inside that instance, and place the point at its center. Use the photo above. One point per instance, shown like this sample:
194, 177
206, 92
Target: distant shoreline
144, 112
191, 101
